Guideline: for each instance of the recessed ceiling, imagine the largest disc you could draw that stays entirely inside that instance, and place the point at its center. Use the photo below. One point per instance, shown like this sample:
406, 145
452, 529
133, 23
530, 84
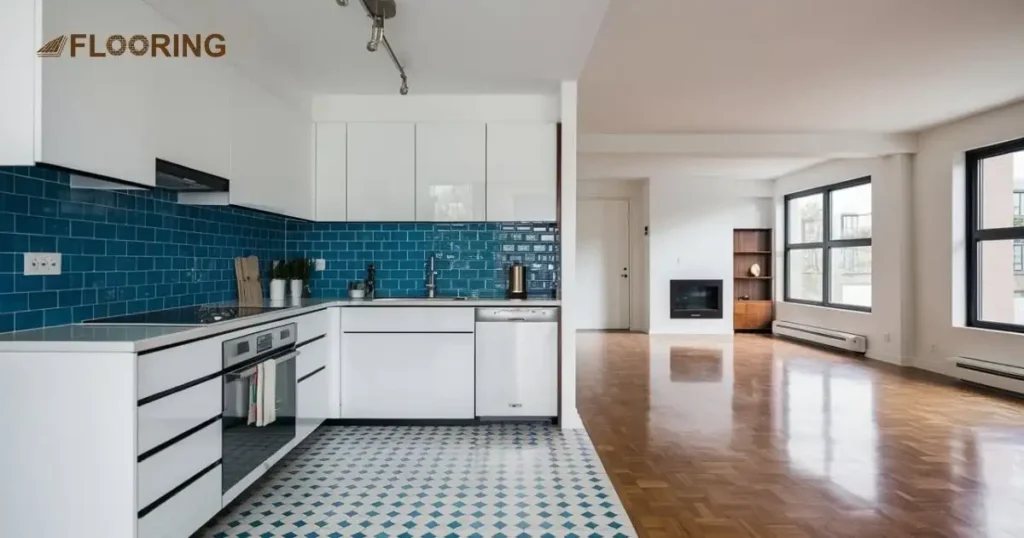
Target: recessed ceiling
800, 65
447, 46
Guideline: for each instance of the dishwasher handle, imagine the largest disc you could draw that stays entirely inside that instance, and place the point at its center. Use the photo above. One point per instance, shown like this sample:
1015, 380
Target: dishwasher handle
517, 315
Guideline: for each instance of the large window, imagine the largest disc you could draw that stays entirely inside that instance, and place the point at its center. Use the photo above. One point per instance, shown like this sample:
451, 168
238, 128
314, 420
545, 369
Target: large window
828, 246
995, 233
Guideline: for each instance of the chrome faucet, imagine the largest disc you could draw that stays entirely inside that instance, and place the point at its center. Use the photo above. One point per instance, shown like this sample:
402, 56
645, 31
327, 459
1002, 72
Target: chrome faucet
431, 278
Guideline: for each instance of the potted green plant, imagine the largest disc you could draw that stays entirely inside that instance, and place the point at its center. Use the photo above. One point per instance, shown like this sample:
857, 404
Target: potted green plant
300, 271
279, 275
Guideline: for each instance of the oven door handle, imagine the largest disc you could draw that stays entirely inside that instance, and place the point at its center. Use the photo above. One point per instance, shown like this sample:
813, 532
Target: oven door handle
250, 370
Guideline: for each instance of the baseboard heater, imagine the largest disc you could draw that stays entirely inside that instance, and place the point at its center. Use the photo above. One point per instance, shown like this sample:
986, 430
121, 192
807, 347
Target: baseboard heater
818, 335
992, 374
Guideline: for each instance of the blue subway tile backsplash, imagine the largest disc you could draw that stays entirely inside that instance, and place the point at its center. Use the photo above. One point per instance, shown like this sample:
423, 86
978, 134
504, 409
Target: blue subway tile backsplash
129, 251
471, 257
122, 251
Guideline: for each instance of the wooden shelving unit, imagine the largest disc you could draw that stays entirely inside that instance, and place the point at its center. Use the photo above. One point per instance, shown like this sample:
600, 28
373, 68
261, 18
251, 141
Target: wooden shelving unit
754, 305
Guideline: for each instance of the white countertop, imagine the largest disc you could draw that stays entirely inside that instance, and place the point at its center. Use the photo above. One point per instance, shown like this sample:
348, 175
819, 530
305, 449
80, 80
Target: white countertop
93, 338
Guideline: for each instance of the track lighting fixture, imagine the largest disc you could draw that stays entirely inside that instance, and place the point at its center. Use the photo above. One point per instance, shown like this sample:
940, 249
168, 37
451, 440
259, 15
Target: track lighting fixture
376, 34
378, 10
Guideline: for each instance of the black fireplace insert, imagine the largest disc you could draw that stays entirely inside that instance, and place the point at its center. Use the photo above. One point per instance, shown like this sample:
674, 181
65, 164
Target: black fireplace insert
696, 299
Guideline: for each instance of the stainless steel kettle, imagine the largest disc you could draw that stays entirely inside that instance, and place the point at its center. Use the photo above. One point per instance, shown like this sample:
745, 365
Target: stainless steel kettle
516, 281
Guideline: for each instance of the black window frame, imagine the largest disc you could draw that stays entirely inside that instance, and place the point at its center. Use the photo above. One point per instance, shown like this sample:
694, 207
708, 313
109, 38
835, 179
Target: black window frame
825, 245
976, 234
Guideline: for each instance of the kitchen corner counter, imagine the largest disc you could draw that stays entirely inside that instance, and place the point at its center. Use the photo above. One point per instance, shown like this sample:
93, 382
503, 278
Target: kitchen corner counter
93, 338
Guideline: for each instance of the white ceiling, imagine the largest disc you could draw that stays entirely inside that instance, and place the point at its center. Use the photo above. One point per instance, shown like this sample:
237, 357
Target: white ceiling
705, 169
447, 46
800, 65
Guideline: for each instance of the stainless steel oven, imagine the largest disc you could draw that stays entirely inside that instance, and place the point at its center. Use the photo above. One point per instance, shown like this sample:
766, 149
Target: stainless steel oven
246, 446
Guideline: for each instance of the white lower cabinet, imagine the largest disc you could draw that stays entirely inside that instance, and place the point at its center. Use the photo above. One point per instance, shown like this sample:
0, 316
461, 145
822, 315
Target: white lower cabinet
311, 403
167, 469
407, 376
186, 512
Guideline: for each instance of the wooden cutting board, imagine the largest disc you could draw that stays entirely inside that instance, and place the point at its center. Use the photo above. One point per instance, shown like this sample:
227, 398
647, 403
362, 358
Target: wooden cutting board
250, 289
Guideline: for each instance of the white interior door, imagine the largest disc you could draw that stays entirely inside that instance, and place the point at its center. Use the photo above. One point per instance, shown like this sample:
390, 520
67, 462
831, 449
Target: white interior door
602, 264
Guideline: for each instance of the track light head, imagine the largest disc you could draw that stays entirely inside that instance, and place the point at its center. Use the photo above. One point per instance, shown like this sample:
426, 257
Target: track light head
376, 34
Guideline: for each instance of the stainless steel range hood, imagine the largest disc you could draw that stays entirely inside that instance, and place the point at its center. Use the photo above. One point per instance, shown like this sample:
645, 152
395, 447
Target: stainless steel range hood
176, 177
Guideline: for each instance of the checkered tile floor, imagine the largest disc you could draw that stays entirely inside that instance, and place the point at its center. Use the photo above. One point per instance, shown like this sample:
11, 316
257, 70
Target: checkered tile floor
500, 480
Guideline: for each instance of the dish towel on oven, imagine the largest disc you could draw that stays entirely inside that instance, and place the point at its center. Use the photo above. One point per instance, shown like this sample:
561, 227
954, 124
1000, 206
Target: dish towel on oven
260, 391
268, 379
253, 384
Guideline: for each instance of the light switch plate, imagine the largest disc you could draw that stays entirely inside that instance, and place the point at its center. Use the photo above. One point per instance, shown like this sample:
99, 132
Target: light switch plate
42, 263
321, 264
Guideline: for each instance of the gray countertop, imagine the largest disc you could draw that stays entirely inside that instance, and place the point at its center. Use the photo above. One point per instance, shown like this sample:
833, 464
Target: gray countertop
94, 338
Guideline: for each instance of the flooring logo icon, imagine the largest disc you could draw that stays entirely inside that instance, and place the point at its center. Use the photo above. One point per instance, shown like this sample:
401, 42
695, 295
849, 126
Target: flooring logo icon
53, 48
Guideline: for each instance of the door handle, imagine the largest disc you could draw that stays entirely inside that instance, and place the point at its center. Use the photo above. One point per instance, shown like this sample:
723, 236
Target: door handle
250, 370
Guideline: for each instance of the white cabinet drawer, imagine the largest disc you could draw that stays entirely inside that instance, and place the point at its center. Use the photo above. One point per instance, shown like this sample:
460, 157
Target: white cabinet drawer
311, 403
176, 366
407, 319
186, 512
311, 356
172, 466
163, 419
407, 376
311, 325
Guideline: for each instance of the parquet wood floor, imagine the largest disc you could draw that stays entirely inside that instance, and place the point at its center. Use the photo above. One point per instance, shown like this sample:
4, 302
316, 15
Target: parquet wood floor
755, 437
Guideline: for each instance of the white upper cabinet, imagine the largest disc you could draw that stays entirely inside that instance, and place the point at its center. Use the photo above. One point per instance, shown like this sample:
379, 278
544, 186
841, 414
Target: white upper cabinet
271, 152
293, 162
97, 115
331, 171
381, 172
522, 172
194, 114
451, 171
21, 35
251, 181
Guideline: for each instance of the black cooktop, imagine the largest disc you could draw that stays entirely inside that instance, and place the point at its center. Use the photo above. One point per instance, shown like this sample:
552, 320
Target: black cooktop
188, 315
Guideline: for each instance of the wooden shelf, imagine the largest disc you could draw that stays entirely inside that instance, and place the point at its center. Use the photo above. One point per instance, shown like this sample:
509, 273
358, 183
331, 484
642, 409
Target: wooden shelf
756, 311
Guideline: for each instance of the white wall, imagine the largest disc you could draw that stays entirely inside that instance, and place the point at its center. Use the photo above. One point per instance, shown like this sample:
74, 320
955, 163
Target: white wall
888, 326
631, 190
691, 237
939, 242
567, 283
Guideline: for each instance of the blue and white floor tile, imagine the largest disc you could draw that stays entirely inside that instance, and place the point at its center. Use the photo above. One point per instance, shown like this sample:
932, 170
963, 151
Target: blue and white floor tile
500, 480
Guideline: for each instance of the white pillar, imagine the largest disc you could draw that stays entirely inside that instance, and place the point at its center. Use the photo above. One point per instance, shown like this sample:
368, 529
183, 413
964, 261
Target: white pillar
570, 417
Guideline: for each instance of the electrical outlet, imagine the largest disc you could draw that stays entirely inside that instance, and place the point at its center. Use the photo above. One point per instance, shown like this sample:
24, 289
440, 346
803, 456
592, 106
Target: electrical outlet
42, 263
321, 264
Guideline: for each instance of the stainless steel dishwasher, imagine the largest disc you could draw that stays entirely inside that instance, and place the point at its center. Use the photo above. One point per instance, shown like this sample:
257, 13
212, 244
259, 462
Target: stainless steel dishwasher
517, 362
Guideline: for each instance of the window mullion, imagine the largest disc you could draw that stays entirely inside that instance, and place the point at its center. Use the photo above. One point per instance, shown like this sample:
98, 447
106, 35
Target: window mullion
850, 243
826, 254
805, 246
999, 234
